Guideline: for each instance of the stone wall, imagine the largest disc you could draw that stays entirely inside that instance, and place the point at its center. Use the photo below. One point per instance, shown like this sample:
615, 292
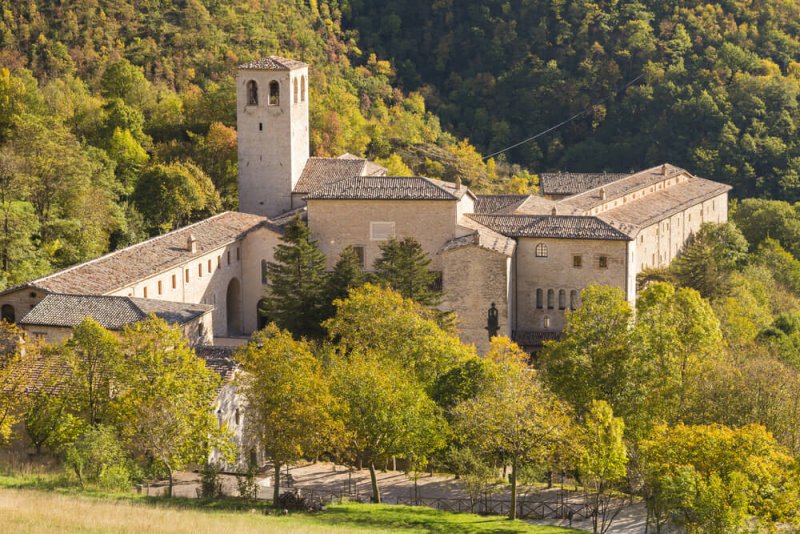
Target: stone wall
335, 224
474, 278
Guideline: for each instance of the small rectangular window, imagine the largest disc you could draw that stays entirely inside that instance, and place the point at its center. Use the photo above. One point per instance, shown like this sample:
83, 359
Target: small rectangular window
362, 255
237, 253
160, 288
260, 126
144, 291
199, 270
577, 261
229, 257
381, 231
209, 266
187, 276
219, 262
603, 262
174, 281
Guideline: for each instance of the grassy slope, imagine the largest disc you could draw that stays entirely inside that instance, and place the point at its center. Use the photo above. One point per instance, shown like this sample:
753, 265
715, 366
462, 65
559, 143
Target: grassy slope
27, 511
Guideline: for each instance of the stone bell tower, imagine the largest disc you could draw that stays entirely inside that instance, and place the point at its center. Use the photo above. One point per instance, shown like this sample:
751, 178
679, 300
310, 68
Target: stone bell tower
272, 127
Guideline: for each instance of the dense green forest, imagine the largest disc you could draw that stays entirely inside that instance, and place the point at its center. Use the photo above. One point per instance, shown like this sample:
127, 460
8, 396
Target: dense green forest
117, 118
718, 92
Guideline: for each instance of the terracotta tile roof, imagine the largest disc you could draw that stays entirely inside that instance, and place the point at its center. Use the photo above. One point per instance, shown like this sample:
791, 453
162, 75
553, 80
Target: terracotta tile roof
481, 236
573, 183
654, 207
495, 203
273, 63
389, 188
371, 169
219, 359
320, 172
124, 267
113, 313
285, 218
551, 226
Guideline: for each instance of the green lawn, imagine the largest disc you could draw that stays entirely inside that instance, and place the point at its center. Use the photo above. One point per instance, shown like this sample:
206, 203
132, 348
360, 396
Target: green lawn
54, 509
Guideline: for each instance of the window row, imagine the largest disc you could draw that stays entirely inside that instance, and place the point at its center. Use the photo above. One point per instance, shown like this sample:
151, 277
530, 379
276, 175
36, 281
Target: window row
577, 259
209, 268
274, 95
562, 299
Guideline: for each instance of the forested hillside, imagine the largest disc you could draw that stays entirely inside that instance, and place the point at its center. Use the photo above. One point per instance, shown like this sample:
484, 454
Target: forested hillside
117, 117
718, 95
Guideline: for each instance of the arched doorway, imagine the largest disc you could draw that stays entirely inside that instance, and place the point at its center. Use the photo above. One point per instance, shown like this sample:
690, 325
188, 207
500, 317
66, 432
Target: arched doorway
263, 320
8, 314
233, 307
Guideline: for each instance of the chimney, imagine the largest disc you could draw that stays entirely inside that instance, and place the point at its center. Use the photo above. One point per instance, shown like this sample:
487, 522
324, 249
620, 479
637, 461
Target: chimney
664, 169
458, 184
602, 193
191, 243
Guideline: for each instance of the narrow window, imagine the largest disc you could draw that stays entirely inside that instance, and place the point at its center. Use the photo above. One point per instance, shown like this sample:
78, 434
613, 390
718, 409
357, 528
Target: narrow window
264, 272
602, 262
160, 288
199, 270
237, 416
209, 266
229, 257
274, 93
252, 93
573, 299
174, 281
577, 261
8, 313
539, 298
237, 253
219, 262
260, 126
551, 299
546, 322
562, 299
187, 276
296, 91
144, 291
653, 259
303, 88
201, 331
362, 255
541, 250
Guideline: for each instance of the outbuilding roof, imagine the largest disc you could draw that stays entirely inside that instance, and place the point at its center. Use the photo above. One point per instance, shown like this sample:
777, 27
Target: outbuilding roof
389, 188
495, 203
127, 266
113, 313
482, 237
273, 63
319, 172
573, 183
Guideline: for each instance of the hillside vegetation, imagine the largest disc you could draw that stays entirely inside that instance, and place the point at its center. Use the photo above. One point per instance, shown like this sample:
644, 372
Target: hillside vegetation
718, 91
117, 118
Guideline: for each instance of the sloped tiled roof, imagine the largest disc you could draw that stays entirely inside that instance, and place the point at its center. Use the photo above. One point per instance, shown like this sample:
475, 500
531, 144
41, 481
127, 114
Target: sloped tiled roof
219, 359
273, 63
573, 183
481, 236
320, 172
495, 203
113, 313
127, 266
388, 188
371, 168
551, 226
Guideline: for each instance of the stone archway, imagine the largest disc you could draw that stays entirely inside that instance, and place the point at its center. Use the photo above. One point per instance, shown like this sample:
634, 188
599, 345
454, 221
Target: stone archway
233, 307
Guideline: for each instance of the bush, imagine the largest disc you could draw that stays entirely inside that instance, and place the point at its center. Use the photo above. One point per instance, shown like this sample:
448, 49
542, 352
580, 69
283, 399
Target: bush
247, 484
210, 483
97, 457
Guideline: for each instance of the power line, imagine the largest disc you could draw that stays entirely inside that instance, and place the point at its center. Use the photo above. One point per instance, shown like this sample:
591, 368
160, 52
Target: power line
562, 123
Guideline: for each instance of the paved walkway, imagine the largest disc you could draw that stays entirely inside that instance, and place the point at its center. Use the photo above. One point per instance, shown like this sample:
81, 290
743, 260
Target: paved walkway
397, 486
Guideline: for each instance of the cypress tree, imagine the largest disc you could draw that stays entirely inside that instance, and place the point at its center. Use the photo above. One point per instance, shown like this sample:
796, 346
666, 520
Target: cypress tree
346, 274
404, 267
295, 297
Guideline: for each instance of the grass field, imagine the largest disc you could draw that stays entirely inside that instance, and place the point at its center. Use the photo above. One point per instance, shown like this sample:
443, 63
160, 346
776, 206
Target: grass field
27, 511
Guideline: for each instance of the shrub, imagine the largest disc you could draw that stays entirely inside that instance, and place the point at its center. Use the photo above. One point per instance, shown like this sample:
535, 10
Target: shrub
97, 457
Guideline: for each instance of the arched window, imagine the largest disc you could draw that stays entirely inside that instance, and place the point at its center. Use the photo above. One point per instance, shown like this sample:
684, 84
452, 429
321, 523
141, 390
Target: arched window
551, 299
274, 93
573, 299
562, 299
8, 314
541, 250
252, 93
303, 88
296, 99
539, 299
264, 272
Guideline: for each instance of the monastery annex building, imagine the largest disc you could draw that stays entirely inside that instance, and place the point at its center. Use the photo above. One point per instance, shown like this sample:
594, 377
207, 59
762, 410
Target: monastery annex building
530, 255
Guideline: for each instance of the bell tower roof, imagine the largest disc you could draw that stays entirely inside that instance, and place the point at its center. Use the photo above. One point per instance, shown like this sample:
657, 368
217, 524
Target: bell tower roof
273, 63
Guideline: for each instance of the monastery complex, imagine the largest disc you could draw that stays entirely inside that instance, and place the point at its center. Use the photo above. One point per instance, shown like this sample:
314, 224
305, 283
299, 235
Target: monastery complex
529, 255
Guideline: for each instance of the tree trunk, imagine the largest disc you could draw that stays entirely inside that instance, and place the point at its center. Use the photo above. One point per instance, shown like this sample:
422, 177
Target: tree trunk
512, 513
171, 480
276, 489
376, 493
